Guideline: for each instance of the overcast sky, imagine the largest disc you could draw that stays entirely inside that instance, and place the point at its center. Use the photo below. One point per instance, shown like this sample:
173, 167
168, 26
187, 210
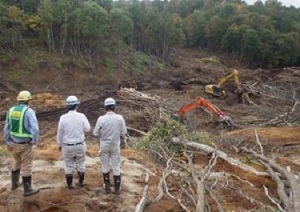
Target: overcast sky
295, 3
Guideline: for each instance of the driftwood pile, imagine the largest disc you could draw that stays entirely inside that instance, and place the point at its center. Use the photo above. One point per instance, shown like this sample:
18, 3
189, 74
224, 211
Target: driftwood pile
153, 106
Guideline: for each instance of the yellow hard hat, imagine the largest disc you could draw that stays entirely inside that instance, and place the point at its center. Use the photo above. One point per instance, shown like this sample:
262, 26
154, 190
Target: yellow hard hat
24, 96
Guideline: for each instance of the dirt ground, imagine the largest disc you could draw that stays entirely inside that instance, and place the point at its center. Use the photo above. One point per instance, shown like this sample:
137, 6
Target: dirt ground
274, 94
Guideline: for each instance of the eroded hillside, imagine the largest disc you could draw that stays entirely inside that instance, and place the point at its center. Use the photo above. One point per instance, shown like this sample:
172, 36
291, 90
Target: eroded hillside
170, 175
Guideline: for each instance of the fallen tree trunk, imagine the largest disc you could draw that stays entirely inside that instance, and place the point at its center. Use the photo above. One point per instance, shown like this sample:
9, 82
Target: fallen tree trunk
283, 117
223, 155
295, 188
200, 191
280, 187
141, 205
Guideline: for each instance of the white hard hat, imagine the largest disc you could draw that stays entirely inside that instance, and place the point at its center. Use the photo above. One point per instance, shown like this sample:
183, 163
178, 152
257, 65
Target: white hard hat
72, 100
109, 101
24, 96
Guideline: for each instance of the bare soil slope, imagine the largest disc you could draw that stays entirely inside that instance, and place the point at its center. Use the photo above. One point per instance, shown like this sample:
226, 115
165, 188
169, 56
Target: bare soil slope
274, 117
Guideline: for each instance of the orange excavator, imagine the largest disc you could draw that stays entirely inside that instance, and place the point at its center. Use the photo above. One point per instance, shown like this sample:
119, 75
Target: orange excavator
202, 102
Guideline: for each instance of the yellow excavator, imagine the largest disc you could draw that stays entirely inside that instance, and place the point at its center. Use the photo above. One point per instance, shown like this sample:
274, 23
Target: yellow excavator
217, 89
242, 91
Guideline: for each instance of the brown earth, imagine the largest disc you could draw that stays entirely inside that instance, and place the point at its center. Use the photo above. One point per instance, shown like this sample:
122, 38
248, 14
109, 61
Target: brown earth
273, 93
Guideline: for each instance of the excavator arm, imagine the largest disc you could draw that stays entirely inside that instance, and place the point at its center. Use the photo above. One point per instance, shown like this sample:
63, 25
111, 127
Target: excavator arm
234, 74
202, 102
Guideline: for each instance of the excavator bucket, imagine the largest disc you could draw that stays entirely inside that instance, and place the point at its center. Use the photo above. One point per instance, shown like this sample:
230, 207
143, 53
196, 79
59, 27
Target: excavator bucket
176, 118
226, 120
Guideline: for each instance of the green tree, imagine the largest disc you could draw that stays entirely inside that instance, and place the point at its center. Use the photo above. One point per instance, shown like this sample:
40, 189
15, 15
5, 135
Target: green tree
194, 28
151, 32
88, 24
62, 9
47, 17
287, 50
121, 24
268, 38
177, 33
15, 18
215, 29
3, 26
106, 4
232, 39
138, 13
251, 46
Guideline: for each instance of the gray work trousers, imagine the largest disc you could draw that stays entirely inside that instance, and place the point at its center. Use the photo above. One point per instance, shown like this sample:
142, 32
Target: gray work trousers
74, 157
110, 155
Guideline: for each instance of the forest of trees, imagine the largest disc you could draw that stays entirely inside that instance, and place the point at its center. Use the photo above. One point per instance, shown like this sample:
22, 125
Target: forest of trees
262, 35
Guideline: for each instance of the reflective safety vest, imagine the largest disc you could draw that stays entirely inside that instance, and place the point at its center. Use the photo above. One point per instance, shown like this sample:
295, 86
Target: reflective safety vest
16, 117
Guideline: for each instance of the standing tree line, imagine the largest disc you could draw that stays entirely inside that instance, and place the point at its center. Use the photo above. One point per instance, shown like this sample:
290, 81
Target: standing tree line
262, 35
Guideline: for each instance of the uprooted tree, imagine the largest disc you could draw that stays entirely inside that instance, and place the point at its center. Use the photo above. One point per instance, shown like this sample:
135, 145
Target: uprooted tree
198, 174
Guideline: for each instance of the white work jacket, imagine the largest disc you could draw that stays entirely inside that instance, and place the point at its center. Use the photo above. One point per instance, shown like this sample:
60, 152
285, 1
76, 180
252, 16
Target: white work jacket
71, 128
110, 128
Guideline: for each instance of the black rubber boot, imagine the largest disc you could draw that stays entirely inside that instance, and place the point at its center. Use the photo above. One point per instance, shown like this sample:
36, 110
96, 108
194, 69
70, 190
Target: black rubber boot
107, 182
27, 187
117, 181
69, 179
15, 176
81, 179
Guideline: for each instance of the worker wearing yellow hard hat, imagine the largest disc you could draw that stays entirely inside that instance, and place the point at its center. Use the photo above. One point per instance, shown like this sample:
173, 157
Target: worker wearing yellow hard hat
21, 132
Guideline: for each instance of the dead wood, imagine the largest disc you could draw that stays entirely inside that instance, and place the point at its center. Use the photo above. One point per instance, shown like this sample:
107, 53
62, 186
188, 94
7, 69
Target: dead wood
200, 191
168, 172
215, 198
184, 207
160, 189
163, 186
200, 179
257, 141
162, 181
283, 118
240, 179
133, 163
141, 205
244, 93
223, 155
295, 188
153, 107
136, 130
280, 186
273, 200
287, 162
54, 81
189, 195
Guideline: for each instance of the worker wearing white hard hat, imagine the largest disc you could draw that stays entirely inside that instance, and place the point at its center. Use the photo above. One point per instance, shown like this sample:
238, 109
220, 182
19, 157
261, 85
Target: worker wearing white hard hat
21, 132
71, 131
110, 127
